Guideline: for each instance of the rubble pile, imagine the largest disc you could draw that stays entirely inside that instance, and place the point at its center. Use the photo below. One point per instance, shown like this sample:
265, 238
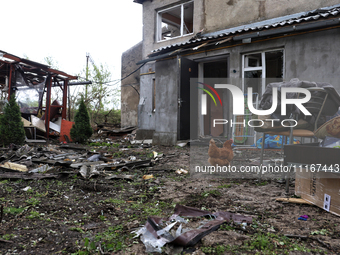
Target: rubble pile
52, 161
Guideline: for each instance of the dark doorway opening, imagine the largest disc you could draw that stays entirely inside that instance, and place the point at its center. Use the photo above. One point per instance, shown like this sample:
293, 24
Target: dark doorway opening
215, 69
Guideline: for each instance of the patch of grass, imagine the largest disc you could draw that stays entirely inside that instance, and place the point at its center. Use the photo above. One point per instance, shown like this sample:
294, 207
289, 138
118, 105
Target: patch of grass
102, 217
149, 155
113, 239
262, 183
218, 249
33, 215
224, 186
77, 229
37, 194
225, 227
261, 242
32, 201
8, 189
7, 236
13, 210
114, 145
320, 232
271, 243
113, 201
214, 192
118, 154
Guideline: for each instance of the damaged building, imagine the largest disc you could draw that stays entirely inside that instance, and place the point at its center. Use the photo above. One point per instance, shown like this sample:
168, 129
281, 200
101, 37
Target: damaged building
223, 39
32, 84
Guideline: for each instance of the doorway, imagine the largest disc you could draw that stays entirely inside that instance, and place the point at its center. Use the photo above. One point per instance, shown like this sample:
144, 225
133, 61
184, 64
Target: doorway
218, 69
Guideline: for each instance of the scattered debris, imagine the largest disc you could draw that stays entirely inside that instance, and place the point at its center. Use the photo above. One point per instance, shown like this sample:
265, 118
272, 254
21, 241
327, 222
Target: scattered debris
303, 217
14, 166
147, 177
156, 232
293, 200
27, 188
181, 171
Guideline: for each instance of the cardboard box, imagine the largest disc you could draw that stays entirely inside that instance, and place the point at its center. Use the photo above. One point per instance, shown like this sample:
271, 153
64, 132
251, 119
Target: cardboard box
314, 184
320, 188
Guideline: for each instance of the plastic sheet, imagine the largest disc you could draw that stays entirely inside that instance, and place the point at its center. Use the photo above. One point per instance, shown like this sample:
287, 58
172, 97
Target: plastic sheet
273, 142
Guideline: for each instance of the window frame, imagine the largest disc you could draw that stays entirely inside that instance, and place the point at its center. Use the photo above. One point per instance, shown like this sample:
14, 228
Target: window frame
159, 22
262, 67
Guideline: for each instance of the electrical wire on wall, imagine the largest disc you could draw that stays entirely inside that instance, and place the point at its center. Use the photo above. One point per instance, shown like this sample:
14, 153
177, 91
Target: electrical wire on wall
128, 76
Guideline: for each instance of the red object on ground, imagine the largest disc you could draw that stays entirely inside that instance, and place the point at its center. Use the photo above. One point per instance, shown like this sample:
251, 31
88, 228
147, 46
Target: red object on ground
65, 130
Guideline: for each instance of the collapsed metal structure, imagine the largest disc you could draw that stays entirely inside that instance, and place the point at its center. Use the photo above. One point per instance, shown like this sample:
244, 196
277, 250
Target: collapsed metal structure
30, 81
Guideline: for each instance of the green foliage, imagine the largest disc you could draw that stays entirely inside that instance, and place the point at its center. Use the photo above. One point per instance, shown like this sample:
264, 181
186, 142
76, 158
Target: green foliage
32, 201
320, 232
33, 215
13, 210
217, 250
224, 186
8, 236
215, 193
81, 130
11, 126
101, 95
115, 145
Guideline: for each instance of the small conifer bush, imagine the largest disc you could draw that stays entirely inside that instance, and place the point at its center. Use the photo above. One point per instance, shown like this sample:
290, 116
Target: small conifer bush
11, 126
81, 130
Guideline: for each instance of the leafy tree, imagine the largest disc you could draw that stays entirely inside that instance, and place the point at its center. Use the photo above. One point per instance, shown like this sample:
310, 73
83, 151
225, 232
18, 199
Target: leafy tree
11, 125
102, 93
81, 130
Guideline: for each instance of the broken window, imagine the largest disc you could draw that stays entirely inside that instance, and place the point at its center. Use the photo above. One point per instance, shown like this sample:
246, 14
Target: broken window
262, 65
175, 21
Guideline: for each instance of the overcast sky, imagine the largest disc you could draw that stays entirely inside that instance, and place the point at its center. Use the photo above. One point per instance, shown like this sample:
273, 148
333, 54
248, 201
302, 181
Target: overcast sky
66, 30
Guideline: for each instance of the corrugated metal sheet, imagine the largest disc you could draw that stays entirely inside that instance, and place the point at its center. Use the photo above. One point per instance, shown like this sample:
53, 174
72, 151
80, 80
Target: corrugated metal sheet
323, 13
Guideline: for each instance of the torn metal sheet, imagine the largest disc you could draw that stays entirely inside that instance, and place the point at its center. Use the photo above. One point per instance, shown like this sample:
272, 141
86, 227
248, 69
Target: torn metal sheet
88, 173
132, 164
146, 141
113, 176
41, 169
55, 126
158, 227
52, 162
77, 165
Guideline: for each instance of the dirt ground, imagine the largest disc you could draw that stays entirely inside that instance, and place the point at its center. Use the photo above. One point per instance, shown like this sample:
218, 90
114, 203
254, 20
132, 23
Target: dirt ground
73, 215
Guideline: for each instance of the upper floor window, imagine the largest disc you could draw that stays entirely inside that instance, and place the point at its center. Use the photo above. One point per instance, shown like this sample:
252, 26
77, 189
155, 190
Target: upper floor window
175, 21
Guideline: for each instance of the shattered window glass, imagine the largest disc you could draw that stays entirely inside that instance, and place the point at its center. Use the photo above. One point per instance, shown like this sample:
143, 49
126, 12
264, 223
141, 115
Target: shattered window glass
176, 21
28, 95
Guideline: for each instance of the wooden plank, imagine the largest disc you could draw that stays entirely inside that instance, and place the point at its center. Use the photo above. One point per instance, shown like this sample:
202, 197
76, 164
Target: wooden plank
293, 200
38, 123
26, 122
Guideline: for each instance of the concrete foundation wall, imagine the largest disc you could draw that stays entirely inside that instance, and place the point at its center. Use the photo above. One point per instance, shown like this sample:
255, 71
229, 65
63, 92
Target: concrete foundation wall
129, 96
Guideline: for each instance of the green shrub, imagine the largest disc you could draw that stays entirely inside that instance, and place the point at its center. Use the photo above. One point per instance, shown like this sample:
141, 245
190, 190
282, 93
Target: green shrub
11, 125
81, 130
